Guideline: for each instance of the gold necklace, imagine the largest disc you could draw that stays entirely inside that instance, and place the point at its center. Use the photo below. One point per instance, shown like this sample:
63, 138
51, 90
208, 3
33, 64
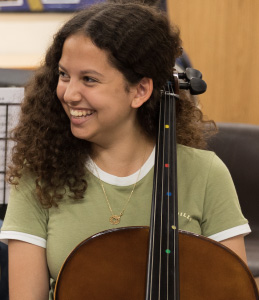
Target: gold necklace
115, 219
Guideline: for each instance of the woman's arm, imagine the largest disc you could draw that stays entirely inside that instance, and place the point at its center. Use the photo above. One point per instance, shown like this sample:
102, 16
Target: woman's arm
236, 244
28, 271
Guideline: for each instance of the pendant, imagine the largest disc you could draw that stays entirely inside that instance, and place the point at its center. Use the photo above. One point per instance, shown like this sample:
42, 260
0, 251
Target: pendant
114, 219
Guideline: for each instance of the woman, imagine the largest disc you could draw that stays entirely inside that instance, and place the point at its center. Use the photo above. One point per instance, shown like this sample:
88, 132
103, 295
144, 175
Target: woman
84, 154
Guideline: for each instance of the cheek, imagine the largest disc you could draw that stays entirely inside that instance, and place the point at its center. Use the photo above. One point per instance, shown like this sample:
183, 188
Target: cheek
60, 90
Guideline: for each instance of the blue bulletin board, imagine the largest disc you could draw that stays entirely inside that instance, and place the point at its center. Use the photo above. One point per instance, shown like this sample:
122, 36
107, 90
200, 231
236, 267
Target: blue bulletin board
44, 5
50, 5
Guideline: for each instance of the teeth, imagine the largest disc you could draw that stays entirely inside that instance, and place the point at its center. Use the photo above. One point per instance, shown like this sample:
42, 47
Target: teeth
80, 113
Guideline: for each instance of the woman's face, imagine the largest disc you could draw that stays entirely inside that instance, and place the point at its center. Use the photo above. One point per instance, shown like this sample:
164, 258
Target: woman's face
93, 93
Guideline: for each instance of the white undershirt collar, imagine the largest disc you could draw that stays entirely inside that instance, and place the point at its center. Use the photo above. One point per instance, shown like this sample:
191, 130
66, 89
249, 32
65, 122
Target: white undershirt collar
122, 181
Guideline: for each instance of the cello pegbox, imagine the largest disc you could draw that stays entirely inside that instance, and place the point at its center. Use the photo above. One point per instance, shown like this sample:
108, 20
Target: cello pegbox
192, 81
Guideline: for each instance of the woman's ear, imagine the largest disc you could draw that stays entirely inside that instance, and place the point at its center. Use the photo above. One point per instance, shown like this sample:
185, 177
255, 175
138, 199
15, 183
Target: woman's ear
143, 91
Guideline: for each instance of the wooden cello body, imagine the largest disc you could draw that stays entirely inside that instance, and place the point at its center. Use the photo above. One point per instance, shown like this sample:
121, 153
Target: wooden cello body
159, 262
113, 265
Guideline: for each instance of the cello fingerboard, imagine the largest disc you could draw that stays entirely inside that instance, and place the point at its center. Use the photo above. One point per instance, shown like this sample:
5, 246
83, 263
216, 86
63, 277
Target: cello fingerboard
163, 260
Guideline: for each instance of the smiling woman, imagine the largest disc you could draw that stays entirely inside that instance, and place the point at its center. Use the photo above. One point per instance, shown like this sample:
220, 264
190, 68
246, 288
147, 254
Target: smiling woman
93, 94
83, 161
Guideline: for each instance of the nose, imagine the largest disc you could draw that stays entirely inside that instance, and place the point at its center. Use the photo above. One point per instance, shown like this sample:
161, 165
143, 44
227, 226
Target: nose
72, 93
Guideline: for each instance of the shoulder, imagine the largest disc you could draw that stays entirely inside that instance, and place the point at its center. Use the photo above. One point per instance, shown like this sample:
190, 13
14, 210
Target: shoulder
205, 184
199, 160
26, 180
23, 192
23, 204
193, 153
206, 167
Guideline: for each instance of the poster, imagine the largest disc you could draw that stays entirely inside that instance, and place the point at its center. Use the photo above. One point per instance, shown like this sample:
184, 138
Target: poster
50, 5
10, 99
44, 5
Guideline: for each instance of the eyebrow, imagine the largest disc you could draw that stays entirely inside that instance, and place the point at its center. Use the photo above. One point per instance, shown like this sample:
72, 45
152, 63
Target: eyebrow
82, 72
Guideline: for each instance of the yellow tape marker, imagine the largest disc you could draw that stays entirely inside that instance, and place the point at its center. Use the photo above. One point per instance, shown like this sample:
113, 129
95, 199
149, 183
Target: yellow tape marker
35, 5
166, 126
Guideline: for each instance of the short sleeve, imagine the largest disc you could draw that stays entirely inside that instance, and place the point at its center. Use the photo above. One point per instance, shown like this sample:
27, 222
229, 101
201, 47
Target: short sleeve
25, 218
222, 210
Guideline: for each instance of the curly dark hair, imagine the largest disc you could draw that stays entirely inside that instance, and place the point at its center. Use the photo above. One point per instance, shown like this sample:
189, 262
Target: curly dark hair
140, 42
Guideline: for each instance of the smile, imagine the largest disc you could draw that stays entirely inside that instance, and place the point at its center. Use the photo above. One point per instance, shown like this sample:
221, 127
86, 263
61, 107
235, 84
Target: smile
78, 113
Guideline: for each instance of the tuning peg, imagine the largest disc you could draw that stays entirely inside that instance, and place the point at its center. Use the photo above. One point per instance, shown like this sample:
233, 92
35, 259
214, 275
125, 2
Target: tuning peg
193, 73
189, 74
196, 86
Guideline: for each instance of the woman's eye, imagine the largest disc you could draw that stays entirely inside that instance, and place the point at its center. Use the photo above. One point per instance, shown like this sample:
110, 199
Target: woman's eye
89, 79
62, 74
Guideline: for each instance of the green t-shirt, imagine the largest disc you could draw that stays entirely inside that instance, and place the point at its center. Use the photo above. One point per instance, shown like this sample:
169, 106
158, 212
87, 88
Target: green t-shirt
208, 205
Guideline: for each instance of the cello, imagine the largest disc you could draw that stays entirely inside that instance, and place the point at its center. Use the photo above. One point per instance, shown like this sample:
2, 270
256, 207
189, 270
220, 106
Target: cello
159, 262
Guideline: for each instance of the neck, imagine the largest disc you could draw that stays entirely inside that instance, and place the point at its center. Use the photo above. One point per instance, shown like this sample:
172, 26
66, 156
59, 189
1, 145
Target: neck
124, 157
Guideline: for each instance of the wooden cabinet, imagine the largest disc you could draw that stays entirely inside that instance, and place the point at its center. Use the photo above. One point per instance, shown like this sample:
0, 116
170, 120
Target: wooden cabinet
221, 38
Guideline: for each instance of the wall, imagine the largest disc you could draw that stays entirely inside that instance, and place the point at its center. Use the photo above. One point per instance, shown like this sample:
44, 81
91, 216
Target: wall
26, 36
221, 38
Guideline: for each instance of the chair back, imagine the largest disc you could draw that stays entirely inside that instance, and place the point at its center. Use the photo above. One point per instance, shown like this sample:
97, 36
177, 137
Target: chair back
238, 147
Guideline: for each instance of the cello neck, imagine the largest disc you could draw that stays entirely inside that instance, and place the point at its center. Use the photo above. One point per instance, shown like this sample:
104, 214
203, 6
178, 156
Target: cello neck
163, 259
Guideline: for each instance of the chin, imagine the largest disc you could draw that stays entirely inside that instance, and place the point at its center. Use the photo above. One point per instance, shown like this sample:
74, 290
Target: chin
79, 134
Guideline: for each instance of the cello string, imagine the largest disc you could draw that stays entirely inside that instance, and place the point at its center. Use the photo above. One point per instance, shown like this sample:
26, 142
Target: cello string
159, 256
162, 194
169, 166
165, 193
175, 202
154, 208
172, 212
160, 177
162, 162
173, 199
